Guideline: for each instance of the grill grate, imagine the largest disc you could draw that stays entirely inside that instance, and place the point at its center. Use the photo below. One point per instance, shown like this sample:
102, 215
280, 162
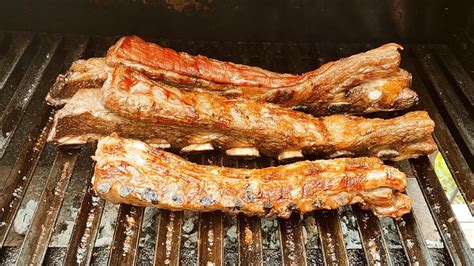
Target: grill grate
29, 64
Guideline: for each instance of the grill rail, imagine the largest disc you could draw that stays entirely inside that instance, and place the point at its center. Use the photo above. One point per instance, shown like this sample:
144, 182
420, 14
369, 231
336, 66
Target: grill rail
29, 64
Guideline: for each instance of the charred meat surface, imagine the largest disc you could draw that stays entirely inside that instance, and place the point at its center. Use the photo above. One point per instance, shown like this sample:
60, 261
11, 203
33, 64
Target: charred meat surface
132, 172
235, 123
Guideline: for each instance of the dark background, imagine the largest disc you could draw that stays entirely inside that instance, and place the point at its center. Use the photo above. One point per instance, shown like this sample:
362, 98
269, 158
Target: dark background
246, 20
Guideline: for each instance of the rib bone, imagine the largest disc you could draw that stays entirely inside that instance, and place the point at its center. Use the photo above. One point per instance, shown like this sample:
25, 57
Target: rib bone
243, 152
197, 148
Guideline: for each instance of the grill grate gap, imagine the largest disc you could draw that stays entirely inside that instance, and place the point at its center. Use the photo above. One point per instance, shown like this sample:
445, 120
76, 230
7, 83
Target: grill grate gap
148, 236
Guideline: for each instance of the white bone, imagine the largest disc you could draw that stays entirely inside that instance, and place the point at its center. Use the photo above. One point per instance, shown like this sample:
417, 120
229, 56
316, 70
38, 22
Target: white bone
198, 147
289, 154
244, 152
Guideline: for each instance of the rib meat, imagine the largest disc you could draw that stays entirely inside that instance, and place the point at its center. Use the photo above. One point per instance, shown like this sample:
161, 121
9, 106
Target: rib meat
90, 73
363, 83
183, 119
132, 172
272, 129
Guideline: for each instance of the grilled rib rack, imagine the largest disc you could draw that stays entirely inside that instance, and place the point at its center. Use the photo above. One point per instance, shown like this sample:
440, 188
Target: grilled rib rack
31, 168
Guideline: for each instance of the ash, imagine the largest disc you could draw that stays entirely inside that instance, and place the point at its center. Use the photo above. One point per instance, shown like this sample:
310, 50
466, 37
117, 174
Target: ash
230, 240
189, 238
390, 233
100, 256
188, 257
24, 216
55, 256
107, 225
8, 255
147, 240
145, 256
272, 257
314, 257
270, 236
190, 229
148, 233
310, 232
349, 229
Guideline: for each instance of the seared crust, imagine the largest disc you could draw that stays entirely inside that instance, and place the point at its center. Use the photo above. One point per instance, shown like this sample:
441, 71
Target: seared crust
232, 123
348, 81
132, 172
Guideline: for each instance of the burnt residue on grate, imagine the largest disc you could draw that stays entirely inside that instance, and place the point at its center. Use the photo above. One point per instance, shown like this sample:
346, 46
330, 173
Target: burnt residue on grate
84, 229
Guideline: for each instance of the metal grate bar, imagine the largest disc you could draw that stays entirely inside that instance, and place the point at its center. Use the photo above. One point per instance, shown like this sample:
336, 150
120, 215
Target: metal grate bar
13, 113
21, 175
86, 226
412, 241
18, 45
373, 242
331, 239
211, 228
410, 234
444, 90
168, 238
124, 249
461, 78
457, 164
36, 241
291, 235
250, 240
248, 228
85, 231
448, 227
210, 244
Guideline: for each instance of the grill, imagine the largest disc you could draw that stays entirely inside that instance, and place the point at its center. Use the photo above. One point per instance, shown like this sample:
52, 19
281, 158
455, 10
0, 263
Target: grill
58, 178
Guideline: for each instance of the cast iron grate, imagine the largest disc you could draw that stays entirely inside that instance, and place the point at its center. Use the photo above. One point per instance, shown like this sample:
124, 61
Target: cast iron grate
29, 63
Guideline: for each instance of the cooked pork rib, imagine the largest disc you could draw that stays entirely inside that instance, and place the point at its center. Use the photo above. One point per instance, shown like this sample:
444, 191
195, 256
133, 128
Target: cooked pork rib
233, 123
199, 121
364, 83
90, 73
132, 172
374, 77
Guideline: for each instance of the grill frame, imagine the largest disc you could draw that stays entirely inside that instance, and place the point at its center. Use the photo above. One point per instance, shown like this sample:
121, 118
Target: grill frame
24, 146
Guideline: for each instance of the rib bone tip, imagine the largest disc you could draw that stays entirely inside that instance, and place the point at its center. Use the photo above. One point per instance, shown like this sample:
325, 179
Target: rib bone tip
289, 155
198, 147
243, 152
374, 95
